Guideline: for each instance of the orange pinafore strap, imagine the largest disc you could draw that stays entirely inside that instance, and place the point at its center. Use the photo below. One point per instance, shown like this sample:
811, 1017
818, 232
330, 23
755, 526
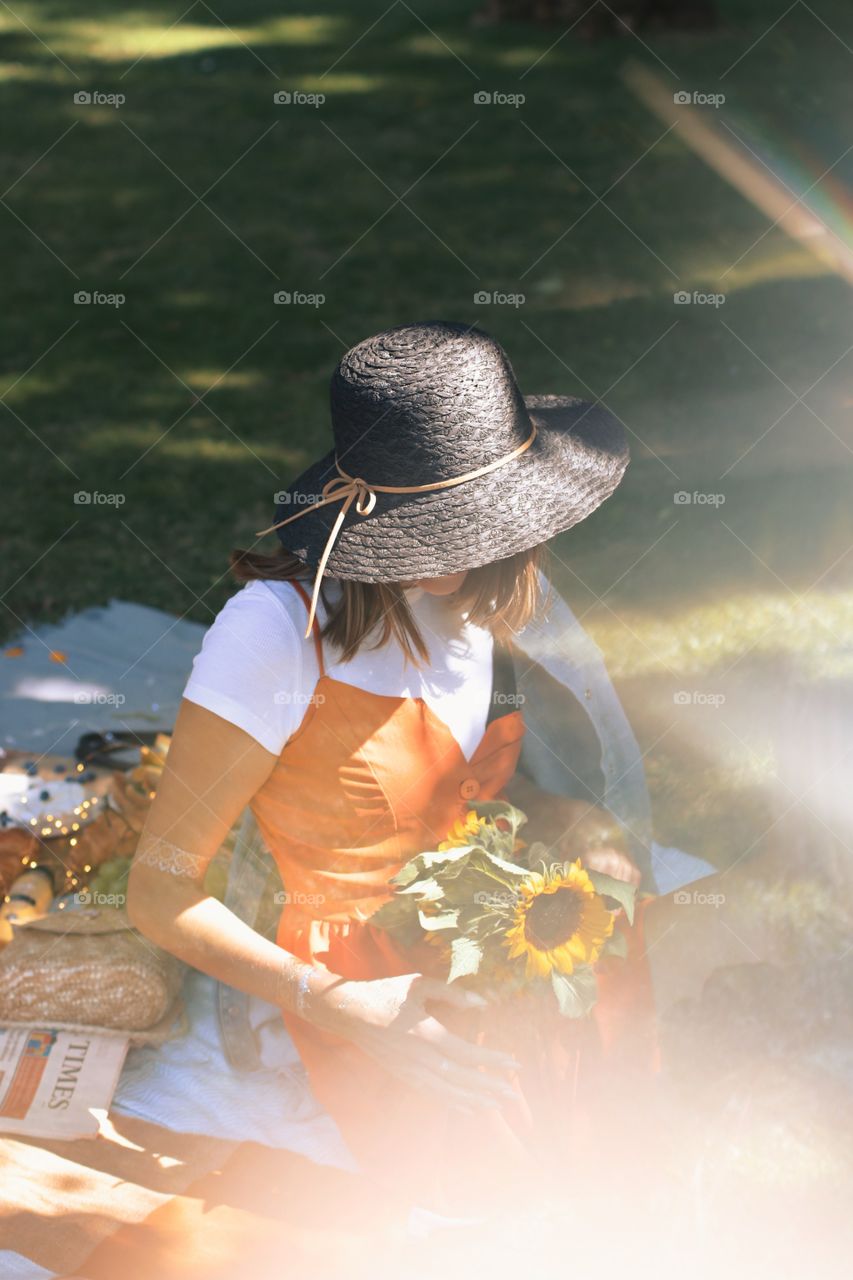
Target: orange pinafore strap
315, 627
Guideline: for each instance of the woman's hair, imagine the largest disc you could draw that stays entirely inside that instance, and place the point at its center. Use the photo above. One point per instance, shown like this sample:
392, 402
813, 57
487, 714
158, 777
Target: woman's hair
501, 596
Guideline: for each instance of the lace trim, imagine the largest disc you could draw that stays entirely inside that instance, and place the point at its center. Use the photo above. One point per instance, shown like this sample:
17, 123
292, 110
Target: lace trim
162, 855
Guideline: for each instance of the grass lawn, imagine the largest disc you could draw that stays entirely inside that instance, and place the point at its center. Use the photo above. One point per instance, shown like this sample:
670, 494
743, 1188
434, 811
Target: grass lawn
399, 198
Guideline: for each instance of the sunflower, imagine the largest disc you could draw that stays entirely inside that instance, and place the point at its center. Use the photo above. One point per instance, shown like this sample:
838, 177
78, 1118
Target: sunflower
464, 831
560, 921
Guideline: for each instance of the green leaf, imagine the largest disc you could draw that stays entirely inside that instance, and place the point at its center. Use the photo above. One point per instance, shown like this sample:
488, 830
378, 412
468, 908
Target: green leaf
576, 992
501, 809
469, 890
616, 945
478, 874
624, 893
424, 890
399, 917
394, 912
465, 957
490, 864
407, 873
444, 920
424, 863
491, 837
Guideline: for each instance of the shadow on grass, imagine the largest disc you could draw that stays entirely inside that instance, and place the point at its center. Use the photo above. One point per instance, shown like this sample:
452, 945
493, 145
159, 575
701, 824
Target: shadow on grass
399, 198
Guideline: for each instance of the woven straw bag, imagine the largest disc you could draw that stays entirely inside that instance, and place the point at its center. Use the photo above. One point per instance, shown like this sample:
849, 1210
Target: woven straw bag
90, 970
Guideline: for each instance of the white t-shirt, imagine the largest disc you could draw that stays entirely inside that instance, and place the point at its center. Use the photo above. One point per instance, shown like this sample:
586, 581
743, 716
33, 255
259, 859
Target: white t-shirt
256, 669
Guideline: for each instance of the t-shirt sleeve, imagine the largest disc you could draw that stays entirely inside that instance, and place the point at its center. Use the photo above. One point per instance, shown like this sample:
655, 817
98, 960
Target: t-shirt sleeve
249, 667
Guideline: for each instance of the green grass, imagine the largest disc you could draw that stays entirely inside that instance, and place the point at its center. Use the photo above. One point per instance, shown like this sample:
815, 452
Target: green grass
102, 405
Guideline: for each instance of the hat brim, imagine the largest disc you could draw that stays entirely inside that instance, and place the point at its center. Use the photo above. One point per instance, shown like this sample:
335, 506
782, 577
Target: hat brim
576, 461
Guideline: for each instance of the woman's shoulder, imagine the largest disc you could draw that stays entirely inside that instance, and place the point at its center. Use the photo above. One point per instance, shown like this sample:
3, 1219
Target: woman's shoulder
254, 659
264, 598
265, 620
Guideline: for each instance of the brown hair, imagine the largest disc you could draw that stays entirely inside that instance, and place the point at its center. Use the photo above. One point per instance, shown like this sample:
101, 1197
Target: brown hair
501, 596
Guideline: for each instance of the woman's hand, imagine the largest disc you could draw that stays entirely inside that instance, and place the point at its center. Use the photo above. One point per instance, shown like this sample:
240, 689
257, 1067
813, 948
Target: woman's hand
573, 829
613, 862
391, 1019
596, 839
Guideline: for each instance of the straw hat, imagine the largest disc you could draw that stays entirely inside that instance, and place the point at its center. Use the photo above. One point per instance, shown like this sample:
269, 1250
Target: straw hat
441, 464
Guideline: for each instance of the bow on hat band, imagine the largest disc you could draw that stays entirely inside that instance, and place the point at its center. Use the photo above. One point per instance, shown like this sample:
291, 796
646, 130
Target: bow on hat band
348, 489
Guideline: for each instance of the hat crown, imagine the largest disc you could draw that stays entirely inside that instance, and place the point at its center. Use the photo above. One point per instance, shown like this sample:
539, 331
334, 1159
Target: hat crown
425, 402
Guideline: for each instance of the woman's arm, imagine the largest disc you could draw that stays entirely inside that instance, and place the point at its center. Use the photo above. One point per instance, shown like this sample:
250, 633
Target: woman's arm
213, 769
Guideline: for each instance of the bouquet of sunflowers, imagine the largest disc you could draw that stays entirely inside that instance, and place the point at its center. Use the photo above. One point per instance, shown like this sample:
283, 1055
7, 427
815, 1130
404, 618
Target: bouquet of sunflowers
504, 915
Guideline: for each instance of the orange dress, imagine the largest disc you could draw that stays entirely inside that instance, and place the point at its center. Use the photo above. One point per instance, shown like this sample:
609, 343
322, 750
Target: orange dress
368, 781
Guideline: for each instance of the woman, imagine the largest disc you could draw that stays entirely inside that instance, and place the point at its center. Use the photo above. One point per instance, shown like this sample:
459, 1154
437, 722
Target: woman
361, 716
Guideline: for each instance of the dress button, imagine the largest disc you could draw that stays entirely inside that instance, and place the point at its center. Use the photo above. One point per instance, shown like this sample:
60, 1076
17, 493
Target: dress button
469, 789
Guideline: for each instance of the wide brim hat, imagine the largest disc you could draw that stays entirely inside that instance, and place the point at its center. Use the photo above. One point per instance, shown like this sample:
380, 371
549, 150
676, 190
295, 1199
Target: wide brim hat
422, 407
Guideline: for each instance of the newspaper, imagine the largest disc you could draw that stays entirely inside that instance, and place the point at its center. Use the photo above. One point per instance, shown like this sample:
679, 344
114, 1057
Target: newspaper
53, 1082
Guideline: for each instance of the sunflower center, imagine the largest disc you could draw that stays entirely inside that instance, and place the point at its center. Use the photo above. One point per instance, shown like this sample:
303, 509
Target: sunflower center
552, 918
